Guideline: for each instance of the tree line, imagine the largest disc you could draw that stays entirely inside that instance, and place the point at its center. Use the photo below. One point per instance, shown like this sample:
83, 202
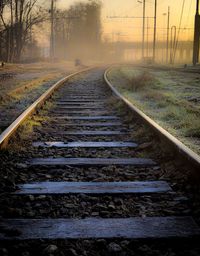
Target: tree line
77, 30
17, 18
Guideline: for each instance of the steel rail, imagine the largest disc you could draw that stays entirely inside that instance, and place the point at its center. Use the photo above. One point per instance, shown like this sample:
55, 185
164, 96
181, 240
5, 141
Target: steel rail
10, 130
178, 146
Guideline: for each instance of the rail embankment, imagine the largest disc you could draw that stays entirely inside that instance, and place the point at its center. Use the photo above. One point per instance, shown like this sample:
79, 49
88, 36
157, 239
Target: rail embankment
169, 97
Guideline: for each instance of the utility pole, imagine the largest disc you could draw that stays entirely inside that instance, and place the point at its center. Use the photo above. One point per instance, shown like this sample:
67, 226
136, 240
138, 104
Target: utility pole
154, 37
31, 38
147, 37
113, 43
172, 44
52, 47
163, 48
168, 24
196, 35
143, 30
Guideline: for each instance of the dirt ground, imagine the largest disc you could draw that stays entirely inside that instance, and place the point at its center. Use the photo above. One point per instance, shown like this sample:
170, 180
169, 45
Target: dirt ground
21, 84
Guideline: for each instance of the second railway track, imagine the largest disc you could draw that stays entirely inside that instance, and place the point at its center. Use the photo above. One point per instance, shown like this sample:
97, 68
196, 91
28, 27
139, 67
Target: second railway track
81, 175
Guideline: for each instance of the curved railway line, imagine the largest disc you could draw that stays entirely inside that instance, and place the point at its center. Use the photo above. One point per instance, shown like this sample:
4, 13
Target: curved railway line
85, 182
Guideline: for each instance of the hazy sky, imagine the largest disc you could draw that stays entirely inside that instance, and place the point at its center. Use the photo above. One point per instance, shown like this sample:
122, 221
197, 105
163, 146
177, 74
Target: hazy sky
131, 29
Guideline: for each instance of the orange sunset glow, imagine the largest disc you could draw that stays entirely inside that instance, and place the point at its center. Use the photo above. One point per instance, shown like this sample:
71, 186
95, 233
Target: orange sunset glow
130, 29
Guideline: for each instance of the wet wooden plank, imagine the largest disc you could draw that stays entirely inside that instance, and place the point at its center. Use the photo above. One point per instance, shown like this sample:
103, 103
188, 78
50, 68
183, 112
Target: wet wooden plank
82, 103
89, 132
93, 133
83, 112
88, 117
77, 101
85, 144
93, 188
77, 93
95, 124
86, 97
137, 162
80, 107
130, 228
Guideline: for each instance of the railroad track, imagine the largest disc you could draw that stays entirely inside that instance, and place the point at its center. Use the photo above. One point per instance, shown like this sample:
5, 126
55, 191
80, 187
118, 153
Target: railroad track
84, 176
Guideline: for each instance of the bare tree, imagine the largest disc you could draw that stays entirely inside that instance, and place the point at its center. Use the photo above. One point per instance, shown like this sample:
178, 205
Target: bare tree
23, 15
78, 30
3, 3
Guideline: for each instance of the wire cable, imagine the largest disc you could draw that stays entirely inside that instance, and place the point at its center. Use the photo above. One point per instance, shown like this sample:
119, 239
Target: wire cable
189, 11
179, 29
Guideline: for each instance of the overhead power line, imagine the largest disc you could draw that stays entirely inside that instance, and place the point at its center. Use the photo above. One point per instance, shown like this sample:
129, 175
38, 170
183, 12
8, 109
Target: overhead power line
179, 29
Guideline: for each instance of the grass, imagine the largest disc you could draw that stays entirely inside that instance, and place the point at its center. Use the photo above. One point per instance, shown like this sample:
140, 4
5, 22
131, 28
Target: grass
21, 91
25, 132
164, 97
193, 131
14, 102
28, 127
139, 82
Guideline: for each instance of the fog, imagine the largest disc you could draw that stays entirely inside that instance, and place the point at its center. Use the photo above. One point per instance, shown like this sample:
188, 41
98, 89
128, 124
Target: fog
97, 30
